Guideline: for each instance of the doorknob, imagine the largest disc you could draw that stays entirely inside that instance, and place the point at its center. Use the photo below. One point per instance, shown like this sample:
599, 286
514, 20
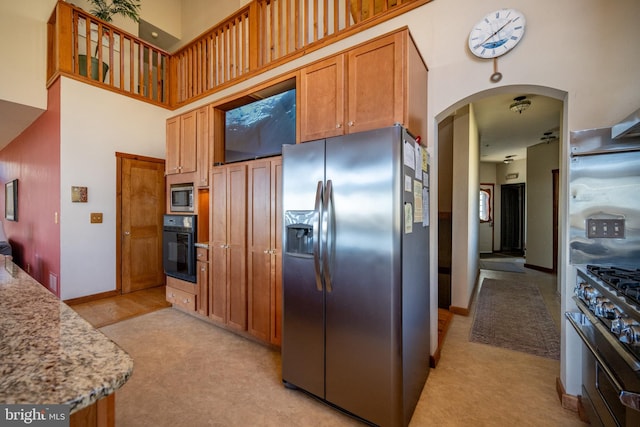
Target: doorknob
126, 233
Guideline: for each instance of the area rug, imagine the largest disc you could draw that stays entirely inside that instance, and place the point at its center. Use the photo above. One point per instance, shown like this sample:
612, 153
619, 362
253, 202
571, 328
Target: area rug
513, 267
512, 315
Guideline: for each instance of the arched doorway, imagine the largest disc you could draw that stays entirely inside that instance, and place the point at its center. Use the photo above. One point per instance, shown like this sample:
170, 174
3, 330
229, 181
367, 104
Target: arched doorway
459, 166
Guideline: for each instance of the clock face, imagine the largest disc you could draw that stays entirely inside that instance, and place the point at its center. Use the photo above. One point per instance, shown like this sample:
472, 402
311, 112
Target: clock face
497, 33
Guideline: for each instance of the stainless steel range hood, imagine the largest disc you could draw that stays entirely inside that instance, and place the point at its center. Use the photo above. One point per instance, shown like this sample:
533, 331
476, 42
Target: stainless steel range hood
628, 127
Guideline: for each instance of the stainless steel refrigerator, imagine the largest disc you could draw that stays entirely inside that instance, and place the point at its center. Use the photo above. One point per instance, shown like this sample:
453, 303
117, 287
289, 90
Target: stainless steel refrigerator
356, 272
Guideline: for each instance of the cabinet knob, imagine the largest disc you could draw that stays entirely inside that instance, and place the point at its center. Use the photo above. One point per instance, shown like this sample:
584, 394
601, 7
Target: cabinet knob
351, 123
202, 269
267, 251
339, 125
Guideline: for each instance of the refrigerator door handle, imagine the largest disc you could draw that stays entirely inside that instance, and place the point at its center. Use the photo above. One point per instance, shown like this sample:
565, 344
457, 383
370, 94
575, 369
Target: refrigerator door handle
328, 227
316, 240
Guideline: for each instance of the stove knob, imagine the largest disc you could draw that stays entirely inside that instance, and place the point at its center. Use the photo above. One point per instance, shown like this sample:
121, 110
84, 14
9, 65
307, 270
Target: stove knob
595, 301
621, 323
630, 335
579, 289
589, 294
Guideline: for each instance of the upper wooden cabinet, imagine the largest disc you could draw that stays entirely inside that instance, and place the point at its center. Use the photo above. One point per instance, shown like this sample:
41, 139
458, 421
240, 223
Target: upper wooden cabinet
188, 145
322, 99
376, 84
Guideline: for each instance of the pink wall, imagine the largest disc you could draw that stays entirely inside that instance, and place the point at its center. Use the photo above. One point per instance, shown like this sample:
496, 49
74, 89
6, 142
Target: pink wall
34, 159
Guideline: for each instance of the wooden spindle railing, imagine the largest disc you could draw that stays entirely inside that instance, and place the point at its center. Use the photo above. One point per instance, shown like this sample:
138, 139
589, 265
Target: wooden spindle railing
120, 61
261, 35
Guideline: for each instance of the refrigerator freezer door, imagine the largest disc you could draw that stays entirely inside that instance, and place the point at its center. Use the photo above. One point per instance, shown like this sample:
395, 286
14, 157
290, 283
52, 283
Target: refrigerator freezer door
363, 310
303, 302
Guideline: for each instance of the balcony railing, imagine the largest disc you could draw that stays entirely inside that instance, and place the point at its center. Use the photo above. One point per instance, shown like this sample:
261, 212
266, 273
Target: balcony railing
259, 36
120, 61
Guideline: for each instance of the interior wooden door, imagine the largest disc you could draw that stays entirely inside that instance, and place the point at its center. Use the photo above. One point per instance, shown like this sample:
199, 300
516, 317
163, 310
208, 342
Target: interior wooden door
141, 205
485, 229
512, 219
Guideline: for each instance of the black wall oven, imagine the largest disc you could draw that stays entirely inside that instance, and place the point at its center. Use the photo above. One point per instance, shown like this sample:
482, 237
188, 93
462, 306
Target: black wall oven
178, 247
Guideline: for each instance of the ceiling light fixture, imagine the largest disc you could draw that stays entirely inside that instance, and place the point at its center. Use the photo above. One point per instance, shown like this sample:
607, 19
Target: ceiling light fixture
508, 159
520, 104
548, 137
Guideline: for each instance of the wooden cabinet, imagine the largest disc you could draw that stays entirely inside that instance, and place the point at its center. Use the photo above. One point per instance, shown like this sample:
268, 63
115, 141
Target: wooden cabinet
203, 147
202, 266
322, 99
264, 249
188, 145
228, 213
181, 294
376, 84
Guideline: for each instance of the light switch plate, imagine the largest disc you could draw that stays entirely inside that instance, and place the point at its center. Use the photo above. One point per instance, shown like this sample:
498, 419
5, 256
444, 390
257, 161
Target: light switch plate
605, 228
96, 217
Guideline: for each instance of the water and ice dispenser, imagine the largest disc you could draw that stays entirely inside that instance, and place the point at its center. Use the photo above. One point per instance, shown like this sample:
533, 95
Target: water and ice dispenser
299, 232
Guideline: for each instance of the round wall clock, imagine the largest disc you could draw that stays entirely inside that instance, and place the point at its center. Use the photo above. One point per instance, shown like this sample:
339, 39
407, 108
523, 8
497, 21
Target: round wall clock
497, 33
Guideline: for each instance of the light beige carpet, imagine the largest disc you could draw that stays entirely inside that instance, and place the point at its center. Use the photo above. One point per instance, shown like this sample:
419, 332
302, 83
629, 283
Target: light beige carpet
189, 373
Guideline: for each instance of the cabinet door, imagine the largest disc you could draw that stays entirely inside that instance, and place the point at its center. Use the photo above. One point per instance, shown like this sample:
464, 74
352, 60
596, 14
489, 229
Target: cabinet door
172, 163
259, 245
188, 141
218, 243
237, 246
276, 255
322, 99
375, 84
203, 144
203, 287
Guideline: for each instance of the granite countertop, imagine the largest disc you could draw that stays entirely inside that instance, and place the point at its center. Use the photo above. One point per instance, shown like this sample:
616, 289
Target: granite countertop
48, 353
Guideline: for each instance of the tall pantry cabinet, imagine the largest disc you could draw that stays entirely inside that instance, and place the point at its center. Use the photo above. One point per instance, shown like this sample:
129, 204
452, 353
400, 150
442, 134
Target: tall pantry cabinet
227, 246
264, 249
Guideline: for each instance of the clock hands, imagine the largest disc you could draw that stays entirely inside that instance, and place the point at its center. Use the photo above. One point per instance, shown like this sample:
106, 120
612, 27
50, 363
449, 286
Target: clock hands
496, 32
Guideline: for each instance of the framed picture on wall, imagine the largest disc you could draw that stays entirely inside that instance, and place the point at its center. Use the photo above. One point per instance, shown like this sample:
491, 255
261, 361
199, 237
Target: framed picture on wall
11, 200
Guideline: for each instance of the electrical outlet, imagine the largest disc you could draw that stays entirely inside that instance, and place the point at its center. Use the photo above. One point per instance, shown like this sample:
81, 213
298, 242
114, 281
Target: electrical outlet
96, 217
605, 228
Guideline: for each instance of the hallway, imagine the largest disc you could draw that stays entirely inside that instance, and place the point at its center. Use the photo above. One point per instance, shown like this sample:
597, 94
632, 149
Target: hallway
481, 385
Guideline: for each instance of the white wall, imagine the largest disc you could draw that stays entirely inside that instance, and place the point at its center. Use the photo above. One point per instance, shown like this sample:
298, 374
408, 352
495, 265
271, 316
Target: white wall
95, 124
200, 15
466, 182
23, 26
23, 92
541, 160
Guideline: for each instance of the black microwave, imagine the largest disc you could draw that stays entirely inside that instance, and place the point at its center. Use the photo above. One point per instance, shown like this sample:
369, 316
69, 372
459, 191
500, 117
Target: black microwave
182, 198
